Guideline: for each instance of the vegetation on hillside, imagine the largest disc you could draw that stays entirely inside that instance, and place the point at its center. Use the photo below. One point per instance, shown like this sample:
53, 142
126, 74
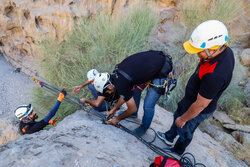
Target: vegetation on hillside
104, 41
99, 43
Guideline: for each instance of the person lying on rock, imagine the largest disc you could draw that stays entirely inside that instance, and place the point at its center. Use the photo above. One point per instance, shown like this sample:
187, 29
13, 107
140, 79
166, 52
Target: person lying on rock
135, 70
205, 86
27, 116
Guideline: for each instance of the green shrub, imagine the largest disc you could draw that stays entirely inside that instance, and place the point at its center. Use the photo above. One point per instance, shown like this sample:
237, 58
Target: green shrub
98, 43
195, 12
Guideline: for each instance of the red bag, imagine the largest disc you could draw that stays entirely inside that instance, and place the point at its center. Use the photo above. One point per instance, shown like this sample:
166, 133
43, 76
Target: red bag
164, 161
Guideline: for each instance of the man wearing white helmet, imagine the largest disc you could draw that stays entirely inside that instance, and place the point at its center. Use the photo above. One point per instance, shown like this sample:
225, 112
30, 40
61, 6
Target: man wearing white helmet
102, 101
27, 116
91, 76
132, 72
205, 86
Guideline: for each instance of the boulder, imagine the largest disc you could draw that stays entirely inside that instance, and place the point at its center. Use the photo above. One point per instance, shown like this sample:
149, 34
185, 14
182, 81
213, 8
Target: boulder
222, 117
242, 137
225, 139
245, 57
247, 92
243, 128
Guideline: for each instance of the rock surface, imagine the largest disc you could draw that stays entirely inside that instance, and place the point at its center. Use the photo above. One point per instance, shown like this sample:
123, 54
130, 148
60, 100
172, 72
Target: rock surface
82, 140
25, 23
14, 91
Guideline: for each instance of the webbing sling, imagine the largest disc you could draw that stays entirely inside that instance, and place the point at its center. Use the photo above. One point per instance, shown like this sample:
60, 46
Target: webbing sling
125, 75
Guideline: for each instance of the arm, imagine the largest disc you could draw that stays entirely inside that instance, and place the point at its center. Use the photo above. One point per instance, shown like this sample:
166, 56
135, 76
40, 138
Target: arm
211, 85
200, 104
54, 109
112, 112
78, 88
52, 112
95, 103
131, 109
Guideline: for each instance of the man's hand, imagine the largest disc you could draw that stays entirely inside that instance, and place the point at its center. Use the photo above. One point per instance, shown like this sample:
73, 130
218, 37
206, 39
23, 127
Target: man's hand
114, 121
111, 113
83, 100
180, 122
76, 89
53, 121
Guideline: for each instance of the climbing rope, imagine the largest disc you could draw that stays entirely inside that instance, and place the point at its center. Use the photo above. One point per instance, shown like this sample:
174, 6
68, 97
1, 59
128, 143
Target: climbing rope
171, 84
185, 161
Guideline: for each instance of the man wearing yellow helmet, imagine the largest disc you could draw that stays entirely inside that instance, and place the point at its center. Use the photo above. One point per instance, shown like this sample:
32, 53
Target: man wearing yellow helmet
205, 86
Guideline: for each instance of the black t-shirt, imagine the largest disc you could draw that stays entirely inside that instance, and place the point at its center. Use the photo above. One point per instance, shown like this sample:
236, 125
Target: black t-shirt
141, 67
110, 98
31, 127
210, 79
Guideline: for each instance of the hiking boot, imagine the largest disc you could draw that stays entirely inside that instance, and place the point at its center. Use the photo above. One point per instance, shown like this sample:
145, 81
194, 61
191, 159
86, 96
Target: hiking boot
140, 131
163, 138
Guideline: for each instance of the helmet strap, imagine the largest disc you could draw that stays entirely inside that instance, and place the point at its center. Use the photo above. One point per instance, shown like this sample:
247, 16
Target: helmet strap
211, 55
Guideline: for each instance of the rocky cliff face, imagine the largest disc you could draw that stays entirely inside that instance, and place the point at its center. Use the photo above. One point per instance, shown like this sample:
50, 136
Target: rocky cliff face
24, 23
82, 140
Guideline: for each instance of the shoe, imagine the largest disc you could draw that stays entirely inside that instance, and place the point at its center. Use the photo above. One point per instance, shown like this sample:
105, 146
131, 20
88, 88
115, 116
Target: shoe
171, 149
140, 131
163, 138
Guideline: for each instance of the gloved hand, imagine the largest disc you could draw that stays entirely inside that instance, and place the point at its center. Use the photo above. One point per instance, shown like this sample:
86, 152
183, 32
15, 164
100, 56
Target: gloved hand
62, 94
53, 121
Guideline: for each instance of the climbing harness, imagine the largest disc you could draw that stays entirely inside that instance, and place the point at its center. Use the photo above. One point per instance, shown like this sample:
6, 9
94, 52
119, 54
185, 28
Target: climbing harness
169, 84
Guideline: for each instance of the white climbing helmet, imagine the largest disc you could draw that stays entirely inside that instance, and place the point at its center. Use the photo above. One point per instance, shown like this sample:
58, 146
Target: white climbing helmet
100, 80
23, 111
92, 74
210, 34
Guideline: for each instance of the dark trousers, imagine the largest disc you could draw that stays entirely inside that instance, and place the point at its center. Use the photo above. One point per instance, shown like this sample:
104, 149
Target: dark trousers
186, 133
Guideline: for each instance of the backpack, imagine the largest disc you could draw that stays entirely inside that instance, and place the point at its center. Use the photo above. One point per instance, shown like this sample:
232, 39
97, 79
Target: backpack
186, 160
165, 161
